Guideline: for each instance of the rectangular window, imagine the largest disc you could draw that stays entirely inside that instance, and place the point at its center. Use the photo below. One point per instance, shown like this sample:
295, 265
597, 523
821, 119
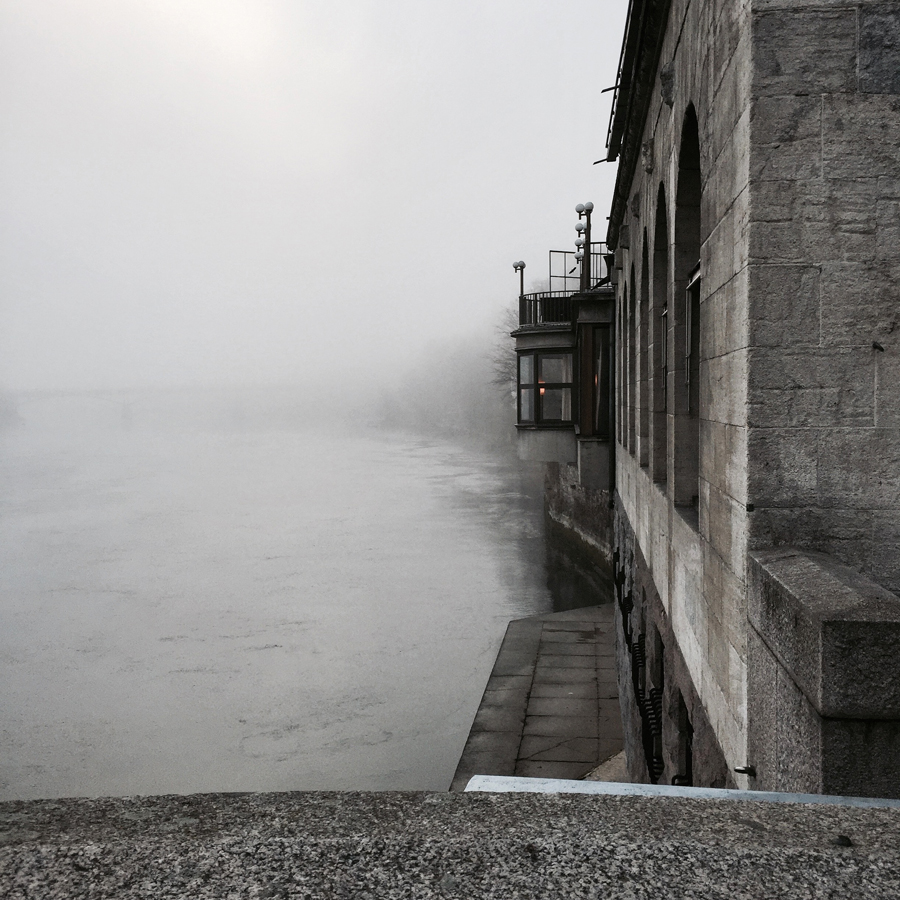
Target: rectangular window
526, 404
601, 381
526, 369
545, 388
526, 387
556, 369
556, 404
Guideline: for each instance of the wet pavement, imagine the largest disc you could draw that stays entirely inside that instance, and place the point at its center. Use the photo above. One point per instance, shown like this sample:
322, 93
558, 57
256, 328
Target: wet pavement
551, 707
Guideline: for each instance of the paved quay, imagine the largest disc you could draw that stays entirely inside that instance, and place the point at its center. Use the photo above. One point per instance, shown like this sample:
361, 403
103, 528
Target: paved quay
315, 846
551, 707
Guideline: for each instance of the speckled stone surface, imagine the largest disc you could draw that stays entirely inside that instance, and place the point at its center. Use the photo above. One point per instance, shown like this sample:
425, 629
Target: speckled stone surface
386, 845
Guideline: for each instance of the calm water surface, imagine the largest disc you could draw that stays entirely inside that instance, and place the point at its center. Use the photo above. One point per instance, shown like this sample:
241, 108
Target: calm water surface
219, 605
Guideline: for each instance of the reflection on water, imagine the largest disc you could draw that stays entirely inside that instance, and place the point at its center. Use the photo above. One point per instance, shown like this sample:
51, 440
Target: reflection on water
199, 596
573, 580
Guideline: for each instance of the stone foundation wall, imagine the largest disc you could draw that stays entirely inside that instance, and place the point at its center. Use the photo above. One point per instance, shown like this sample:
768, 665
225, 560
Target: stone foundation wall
580, 515
668, 736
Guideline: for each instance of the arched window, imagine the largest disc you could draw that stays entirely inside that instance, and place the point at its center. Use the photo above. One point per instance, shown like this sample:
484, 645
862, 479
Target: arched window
659, 336
632, 367
644, 360
683, 756
621, 418
686, 335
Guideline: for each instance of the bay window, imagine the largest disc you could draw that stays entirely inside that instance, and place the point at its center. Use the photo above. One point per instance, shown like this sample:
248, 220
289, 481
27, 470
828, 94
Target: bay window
545, 387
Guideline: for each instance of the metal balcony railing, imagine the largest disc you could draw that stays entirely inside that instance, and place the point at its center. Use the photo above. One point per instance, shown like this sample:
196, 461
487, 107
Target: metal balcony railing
546, 308
565, 270
555, 307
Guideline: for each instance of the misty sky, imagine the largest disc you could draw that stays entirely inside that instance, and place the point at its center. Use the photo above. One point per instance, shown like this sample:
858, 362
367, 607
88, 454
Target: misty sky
207, 191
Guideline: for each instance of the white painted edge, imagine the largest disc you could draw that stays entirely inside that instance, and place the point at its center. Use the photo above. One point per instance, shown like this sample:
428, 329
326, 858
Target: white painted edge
502, 784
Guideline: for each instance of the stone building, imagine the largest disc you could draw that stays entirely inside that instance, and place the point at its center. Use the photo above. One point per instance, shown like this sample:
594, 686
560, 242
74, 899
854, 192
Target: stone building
756, 230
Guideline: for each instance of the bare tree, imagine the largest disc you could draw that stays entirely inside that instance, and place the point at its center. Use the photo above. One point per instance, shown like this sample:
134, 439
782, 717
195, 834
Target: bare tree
503, 354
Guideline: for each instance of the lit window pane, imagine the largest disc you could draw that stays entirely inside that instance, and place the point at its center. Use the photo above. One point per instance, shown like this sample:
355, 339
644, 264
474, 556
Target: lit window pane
526, 405
556, 369
556, 404
526, 370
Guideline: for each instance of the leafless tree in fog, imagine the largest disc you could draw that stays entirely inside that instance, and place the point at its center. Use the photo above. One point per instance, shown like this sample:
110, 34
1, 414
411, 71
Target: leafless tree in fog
503, 355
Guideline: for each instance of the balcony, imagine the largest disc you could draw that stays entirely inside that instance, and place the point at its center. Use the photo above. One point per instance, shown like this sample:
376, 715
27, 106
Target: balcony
555, 306
546, 308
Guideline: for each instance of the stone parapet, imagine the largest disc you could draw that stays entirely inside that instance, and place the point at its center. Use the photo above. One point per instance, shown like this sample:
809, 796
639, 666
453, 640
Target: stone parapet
438, 846
833, 630
823, 696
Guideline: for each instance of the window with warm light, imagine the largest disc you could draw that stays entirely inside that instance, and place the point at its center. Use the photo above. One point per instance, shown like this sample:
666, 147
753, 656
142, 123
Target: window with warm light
545, 388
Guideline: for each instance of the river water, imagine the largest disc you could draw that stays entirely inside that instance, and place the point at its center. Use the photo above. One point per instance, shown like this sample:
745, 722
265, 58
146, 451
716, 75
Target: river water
211, 602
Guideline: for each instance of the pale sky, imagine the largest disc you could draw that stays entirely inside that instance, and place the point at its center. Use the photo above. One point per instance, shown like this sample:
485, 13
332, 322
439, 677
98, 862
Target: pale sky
209, 191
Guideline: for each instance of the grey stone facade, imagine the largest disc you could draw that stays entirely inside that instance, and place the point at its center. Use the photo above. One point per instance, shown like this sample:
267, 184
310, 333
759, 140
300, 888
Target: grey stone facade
756, 224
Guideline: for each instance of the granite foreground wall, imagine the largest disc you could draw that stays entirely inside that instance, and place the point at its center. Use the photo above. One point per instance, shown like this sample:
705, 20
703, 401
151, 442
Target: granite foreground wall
423, 846
823, 693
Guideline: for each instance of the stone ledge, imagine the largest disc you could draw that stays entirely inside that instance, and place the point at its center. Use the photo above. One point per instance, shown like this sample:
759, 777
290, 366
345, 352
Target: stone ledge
834, 631
422, 846
503, 785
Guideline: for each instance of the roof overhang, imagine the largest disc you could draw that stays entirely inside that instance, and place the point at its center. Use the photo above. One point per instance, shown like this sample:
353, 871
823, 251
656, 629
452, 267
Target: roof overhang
645, 29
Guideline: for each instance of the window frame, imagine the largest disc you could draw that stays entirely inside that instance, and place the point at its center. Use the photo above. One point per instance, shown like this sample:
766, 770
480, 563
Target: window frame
601, 381
536, 385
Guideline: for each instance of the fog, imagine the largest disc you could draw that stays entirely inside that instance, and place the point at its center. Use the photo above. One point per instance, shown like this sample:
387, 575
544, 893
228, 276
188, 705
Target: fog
227, 192
233, 233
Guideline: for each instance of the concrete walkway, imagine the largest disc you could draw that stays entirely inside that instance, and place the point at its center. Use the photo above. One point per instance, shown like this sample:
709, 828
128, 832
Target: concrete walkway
550, 708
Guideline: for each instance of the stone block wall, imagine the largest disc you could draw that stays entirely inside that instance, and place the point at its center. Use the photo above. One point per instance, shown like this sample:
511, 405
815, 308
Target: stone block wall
695, 558
824, 269
797, 112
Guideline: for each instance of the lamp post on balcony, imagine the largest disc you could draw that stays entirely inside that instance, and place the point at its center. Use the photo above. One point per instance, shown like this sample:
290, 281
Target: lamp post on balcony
583, 242
520, 268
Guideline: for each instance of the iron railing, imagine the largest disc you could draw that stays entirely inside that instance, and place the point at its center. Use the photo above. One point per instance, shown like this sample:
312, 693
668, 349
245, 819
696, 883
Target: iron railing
546, 308
554, 307
565, 270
